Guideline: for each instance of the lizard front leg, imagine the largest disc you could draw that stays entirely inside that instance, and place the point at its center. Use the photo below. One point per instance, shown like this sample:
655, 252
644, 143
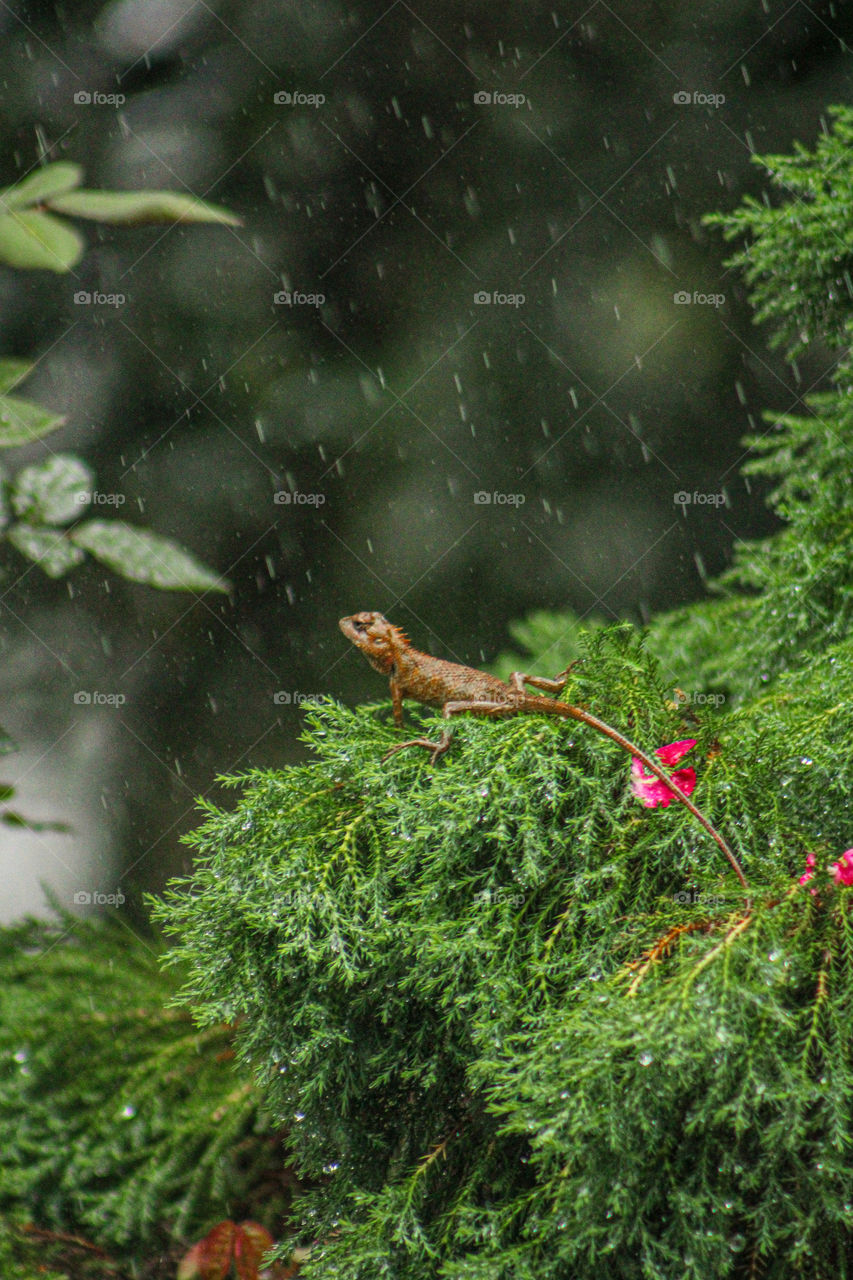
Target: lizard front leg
396, 700
483, 707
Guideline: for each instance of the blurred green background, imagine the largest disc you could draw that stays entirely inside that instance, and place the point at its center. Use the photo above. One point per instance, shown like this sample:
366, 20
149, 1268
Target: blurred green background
471, 263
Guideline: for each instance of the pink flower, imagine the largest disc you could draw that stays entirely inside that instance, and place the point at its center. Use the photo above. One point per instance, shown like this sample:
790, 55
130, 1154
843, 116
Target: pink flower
808, 875
842, 870
652, 791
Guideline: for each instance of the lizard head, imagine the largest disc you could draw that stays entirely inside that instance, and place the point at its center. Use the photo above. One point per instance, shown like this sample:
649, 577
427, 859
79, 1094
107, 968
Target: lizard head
376, 637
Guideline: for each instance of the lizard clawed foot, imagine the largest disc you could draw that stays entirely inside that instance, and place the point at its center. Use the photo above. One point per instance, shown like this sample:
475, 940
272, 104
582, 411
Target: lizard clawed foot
437, 748
564, 674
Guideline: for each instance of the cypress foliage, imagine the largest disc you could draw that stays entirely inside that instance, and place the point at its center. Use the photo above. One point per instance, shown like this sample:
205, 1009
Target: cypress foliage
442, 978
521, 1026
515, 1025
119, 1119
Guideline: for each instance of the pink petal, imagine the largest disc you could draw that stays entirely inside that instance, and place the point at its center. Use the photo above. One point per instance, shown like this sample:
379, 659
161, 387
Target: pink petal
651, 790
673, 751
809, 873
842, 871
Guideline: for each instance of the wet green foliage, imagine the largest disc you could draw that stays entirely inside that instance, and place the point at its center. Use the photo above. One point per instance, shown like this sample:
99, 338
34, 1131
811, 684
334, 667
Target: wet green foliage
119, 1119
521, 1026
789, 597
434, 967
797, 257
515, 1025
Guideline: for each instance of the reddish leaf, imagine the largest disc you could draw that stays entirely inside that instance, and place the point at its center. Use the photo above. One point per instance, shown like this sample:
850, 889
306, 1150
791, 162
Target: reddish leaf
210, 1258
250, 1244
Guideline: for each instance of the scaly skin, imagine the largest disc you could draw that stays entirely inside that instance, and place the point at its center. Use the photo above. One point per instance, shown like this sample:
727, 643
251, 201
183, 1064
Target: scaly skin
456, 688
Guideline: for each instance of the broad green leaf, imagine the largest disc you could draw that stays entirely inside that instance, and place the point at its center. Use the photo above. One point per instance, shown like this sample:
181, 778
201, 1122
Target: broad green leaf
143, 556
51, 550
12, 372
53, 492
21, 421
14, 819
131, 208
52, 180
33, 239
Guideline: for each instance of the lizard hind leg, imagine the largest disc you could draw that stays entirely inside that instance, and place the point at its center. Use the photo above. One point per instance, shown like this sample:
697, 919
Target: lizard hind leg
519, 679
437, 748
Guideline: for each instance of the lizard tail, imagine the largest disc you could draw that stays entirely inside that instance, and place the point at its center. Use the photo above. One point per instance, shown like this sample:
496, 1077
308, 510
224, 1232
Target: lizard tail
575, 713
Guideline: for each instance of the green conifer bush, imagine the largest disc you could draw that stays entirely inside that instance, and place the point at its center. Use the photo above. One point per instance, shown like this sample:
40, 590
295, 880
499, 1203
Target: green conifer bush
513, 1024
119, 1119
519, 1025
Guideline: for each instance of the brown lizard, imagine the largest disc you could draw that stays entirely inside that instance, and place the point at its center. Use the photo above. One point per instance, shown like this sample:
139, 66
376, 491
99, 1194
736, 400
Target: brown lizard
456, 688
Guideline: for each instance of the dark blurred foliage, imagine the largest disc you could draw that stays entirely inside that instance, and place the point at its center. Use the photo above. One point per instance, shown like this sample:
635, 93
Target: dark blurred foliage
382, 410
